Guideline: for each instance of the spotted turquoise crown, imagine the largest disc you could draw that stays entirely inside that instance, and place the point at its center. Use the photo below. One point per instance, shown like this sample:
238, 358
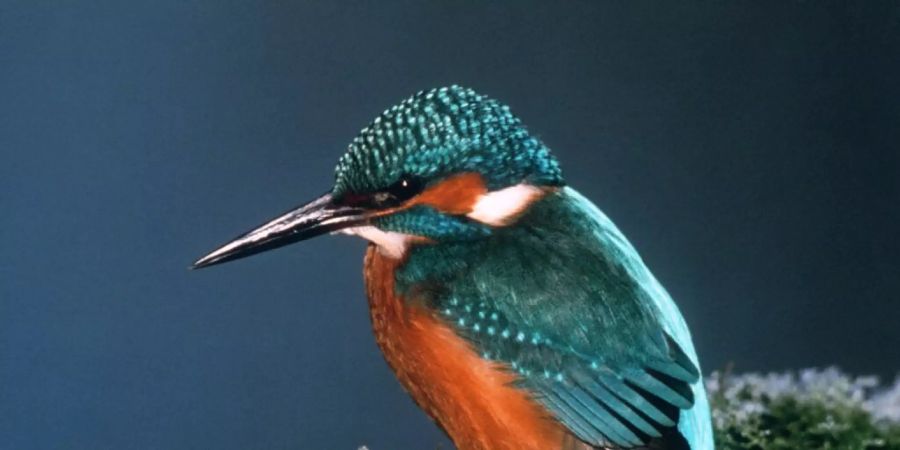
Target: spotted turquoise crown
440, 132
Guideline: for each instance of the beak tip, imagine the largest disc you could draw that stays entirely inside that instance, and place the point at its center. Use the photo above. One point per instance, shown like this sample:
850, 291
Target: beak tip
205, 261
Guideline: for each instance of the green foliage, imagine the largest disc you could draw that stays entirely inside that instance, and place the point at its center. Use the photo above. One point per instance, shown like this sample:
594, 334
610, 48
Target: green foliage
813, 409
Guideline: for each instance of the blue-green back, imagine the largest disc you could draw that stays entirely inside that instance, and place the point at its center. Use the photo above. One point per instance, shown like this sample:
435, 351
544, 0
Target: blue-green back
564, 300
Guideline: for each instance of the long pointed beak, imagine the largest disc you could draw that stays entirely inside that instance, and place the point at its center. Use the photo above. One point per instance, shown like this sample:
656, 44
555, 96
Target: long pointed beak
317, 217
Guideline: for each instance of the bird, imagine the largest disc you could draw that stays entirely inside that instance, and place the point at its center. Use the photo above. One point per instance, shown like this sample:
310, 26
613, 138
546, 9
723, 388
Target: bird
510, 308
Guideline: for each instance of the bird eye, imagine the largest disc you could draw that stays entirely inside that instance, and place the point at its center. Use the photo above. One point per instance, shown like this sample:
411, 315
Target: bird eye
405, 188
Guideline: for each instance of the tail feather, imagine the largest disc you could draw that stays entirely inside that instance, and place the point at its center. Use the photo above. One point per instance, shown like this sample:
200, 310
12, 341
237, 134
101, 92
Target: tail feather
672, 439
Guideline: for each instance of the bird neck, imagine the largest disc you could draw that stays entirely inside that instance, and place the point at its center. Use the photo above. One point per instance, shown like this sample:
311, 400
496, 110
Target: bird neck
557, 223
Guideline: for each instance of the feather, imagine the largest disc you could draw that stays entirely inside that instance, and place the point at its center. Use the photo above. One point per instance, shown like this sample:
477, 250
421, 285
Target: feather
587, 330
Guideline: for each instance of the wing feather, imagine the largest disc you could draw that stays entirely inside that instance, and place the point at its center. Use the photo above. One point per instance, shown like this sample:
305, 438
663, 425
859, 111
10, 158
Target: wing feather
586, 331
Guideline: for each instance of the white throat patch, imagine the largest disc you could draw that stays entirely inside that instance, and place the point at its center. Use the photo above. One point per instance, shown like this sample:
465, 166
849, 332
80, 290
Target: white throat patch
389, 243
497, 208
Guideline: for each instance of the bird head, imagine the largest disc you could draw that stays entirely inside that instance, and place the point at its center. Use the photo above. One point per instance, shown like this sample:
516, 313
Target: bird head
446, 164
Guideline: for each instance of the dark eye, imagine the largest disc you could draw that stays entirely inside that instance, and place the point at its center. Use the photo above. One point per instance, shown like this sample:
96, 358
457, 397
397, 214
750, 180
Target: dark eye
406, 188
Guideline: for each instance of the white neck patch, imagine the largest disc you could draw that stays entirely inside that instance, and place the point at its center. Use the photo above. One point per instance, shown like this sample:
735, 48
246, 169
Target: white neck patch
497, 208
390, 244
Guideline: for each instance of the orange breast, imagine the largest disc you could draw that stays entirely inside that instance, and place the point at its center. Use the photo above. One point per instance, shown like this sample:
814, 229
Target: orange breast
472, 399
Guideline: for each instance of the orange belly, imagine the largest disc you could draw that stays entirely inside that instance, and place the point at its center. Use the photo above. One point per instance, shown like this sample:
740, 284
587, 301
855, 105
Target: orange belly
472, 399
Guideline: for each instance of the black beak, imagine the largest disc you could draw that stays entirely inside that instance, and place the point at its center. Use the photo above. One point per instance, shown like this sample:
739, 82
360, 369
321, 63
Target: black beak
317, 217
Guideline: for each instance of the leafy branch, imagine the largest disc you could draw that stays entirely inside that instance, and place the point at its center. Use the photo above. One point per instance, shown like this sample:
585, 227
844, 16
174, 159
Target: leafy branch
809, 409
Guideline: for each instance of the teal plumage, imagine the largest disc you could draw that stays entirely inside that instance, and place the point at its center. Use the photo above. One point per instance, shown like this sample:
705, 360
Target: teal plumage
535, 284
588, 329
439, 132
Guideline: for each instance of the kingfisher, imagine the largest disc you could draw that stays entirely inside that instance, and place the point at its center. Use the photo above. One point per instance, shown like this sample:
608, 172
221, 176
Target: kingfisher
510, 308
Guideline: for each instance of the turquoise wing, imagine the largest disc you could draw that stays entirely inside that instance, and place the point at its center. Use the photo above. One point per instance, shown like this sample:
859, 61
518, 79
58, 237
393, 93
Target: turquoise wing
564, 300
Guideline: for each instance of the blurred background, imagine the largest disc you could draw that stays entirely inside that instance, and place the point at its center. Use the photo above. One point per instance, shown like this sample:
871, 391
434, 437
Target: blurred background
748, 150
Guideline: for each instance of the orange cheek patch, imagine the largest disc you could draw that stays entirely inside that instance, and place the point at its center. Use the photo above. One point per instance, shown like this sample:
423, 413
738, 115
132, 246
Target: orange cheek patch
455, 195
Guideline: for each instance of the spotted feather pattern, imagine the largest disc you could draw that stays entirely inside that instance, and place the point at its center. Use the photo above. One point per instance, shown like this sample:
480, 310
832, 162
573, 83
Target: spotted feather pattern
564, 302
440, 132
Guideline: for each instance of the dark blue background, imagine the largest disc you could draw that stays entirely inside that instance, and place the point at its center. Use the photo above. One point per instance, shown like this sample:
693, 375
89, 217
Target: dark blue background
750, 152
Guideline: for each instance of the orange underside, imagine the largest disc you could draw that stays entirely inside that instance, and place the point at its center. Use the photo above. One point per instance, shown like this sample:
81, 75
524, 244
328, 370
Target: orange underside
472, 399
